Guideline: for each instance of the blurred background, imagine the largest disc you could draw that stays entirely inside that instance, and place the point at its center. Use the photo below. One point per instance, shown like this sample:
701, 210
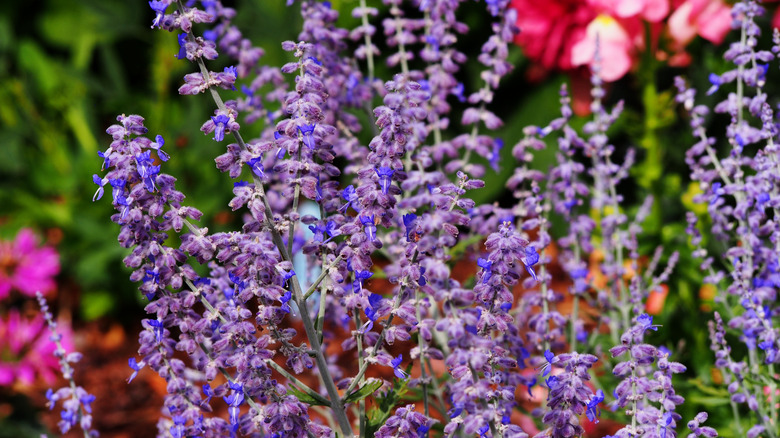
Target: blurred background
69, 67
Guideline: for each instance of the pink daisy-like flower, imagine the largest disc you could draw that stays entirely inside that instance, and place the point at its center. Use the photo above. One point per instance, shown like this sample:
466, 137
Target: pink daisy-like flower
26, 352
26, 267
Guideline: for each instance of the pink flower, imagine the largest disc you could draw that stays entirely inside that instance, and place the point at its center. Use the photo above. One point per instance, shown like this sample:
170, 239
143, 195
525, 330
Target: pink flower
25, 267
650, 10
616, 47
710, 19
26, 352
549, 29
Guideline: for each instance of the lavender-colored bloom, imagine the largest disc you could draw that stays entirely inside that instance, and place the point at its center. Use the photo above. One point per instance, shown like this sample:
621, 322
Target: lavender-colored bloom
405, 422
385, 175
256, 164
285, 300
569, 397
182, 37
549, 357
409, 225
369, 227
159, 142
396, 363
360, 277
147, 170
495, 153
350, 196
486, 265
76, 401
220, 122
136, 368
697, 430
593, 411
159, 7
531, 258
100, 183
307, 133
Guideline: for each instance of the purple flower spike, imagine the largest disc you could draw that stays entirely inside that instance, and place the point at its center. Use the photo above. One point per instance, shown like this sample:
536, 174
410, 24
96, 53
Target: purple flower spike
220, 122
159, 7
307, 131
385, 175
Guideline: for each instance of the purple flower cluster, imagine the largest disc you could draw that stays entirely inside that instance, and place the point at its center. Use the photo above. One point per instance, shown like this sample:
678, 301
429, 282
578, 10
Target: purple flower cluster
318, 239
643, 387
740, 192
569, 397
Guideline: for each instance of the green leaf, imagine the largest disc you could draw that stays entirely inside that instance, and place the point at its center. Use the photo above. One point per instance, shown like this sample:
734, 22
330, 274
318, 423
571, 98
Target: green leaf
306, 398
95, 304
385, 405
370, 387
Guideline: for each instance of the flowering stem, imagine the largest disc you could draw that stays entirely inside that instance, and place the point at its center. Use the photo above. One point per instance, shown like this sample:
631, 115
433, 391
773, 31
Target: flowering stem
67, 370
367, 43
362, 402
396, 12
421, 346
311, 333
294, 380
323, 274
372, 352
573, 334
484, 403
435, 386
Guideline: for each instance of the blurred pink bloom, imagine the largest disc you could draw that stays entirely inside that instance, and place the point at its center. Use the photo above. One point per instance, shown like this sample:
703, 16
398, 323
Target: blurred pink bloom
549, 29
710, 19
650, 10
615, 46
26, 352
25, 267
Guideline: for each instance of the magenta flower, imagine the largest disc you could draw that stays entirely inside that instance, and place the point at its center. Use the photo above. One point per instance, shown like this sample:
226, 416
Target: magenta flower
26, 352
26, 267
